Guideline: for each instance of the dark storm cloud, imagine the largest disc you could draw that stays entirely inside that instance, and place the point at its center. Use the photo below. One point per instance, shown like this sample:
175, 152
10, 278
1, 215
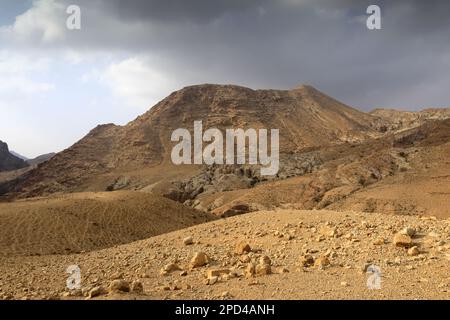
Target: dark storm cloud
172, 11
286, 42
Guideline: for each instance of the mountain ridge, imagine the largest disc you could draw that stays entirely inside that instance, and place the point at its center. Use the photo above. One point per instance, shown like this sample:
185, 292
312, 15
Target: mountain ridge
129, 156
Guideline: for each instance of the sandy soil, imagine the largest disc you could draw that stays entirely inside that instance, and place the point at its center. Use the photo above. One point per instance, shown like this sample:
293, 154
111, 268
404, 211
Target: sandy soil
89, 221
350, 241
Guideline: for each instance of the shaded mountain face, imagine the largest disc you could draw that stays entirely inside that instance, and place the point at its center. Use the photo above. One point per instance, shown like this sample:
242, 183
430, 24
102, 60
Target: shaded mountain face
8, 161
18, 155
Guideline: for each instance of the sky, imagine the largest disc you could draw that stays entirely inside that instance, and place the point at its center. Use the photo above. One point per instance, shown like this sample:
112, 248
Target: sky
57, 84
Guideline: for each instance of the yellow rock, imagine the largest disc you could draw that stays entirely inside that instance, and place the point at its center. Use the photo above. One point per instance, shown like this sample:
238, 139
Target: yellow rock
242, 247
402, 240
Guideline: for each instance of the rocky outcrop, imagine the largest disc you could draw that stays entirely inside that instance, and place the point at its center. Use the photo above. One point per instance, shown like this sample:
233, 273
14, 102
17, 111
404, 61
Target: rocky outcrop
8, 161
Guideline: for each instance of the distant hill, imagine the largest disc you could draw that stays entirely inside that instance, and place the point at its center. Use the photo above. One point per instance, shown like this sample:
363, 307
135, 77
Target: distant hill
89, 221
40, 159
18, 155
404, 120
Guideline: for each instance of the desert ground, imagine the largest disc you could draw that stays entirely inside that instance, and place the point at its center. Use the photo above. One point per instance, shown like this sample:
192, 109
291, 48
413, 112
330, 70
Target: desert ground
280, 254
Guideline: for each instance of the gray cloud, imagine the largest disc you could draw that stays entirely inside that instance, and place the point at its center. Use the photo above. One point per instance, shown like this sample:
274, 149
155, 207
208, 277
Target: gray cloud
283, 43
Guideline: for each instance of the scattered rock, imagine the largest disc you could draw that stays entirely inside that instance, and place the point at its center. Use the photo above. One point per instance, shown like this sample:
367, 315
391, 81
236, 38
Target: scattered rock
116, 276
281, 270
242, 247
213, 280
217, 272
186, 286
265, 260
96, 291
365, 266
263, 269
379, 241
199, 259
168, 268
413, 251
327, 231
307, 260
188, 240
137, 287
322, 262
402, 240
250, 270
409, 231
119, 286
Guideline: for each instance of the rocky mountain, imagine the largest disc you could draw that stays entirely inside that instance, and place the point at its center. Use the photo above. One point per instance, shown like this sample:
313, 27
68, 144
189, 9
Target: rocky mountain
332, 144
305, 117
404, 120
9, 161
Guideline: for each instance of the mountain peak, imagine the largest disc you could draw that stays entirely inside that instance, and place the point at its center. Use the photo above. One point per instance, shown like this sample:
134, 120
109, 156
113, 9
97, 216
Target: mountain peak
305, 88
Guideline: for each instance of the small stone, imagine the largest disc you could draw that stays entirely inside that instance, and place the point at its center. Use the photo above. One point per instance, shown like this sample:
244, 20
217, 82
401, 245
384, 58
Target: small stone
217, 272
322, 262
188, 240
77, 293
116, 276
242, 247
344, 284
307, 260
282, 270
413, 251
96, 291
213, 280
199, 259
119, 286
253, 282
408, 231
402, 240
365, 266
265, 260
168, 268
176, 287
186, 286
263, 269
379, 241
250, 270
327, 231
244, 258
137, 286
183, 273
